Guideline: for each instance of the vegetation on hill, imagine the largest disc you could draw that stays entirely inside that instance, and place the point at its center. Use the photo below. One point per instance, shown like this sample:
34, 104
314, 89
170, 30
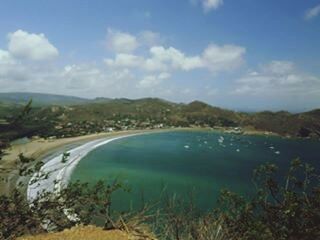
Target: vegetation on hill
100, 115
75, 117
284, 123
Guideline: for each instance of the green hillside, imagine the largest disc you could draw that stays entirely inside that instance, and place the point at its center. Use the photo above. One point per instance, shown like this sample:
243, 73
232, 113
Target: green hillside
62, 116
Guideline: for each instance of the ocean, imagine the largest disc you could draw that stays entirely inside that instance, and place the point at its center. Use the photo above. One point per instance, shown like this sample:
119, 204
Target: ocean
188, 165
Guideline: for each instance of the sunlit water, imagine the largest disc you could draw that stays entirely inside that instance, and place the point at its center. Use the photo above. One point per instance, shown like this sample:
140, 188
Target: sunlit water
188, 163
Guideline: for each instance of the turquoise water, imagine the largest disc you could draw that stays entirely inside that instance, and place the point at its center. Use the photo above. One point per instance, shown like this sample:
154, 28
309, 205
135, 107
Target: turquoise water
188, 163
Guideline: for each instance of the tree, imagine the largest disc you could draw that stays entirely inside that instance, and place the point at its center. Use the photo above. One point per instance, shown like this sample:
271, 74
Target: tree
288, 209
65, 157
25, 111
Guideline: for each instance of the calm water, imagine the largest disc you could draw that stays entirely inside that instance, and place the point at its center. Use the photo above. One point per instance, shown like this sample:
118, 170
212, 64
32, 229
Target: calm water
188, 162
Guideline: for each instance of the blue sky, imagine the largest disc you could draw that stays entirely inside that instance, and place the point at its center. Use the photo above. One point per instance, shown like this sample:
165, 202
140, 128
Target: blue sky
243, 55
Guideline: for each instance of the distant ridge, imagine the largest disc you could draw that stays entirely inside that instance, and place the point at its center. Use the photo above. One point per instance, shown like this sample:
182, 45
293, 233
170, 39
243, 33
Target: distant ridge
40, 99
47, 99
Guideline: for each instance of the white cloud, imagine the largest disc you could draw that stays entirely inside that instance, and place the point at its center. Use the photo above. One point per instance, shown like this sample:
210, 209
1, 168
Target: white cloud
164, 75
151, 81
223, 58
160, 59
175, 58
209, 5
121, 42
81, 76
215, 58
312, 12
278, 78
149, 38
92, 77
12, 73
10, 68
279, 67
22, 47
154, 65
6, 58
31, 46
124, 60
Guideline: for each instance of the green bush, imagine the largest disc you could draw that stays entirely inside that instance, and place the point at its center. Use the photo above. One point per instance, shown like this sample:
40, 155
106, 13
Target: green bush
290, 210
78, 203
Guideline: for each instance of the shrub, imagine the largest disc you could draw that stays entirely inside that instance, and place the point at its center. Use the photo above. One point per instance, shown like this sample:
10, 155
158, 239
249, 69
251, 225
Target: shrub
16, 218
75, 204
280, 209
290, 210
23, 159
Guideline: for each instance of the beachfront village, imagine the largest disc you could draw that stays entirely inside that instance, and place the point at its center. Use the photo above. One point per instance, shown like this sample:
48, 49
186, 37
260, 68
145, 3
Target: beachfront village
71, 129
88, 127
64, 129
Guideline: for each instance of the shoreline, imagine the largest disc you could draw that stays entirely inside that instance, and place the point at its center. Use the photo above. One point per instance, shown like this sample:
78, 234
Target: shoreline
58, 173
41, 150
44, 150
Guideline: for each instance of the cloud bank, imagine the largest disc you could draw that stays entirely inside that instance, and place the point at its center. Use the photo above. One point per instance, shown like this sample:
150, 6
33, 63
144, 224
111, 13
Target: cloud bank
215, 58
144, 65
279, 79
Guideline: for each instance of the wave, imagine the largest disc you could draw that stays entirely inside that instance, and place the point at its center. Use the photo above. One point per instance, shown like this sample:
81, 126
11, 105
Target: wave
55, 173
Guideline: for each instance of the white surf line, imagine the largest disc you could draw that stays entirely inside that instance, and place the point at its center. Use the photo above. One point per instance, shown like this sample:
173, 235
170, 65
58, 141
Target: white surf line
59, 173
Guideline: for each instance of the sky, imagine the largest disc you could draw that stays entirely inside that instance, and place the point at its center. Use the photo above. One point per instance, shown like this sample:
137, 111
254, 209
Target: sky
243, 55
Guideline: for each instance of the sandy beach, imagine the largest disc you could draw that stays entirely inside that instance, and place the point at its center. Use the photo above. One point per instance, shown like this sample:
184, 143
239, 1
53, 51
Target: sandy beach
58, 172
41, 149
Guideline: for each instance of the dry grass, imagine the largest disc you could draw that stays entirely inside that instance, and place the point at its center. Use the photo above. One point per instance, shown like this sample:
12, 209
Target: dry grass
84, 233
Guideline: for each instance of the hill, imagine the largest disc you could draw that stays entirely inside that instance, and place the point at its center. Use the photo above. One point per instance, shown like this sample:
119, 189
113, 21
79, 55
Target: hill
62, 116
